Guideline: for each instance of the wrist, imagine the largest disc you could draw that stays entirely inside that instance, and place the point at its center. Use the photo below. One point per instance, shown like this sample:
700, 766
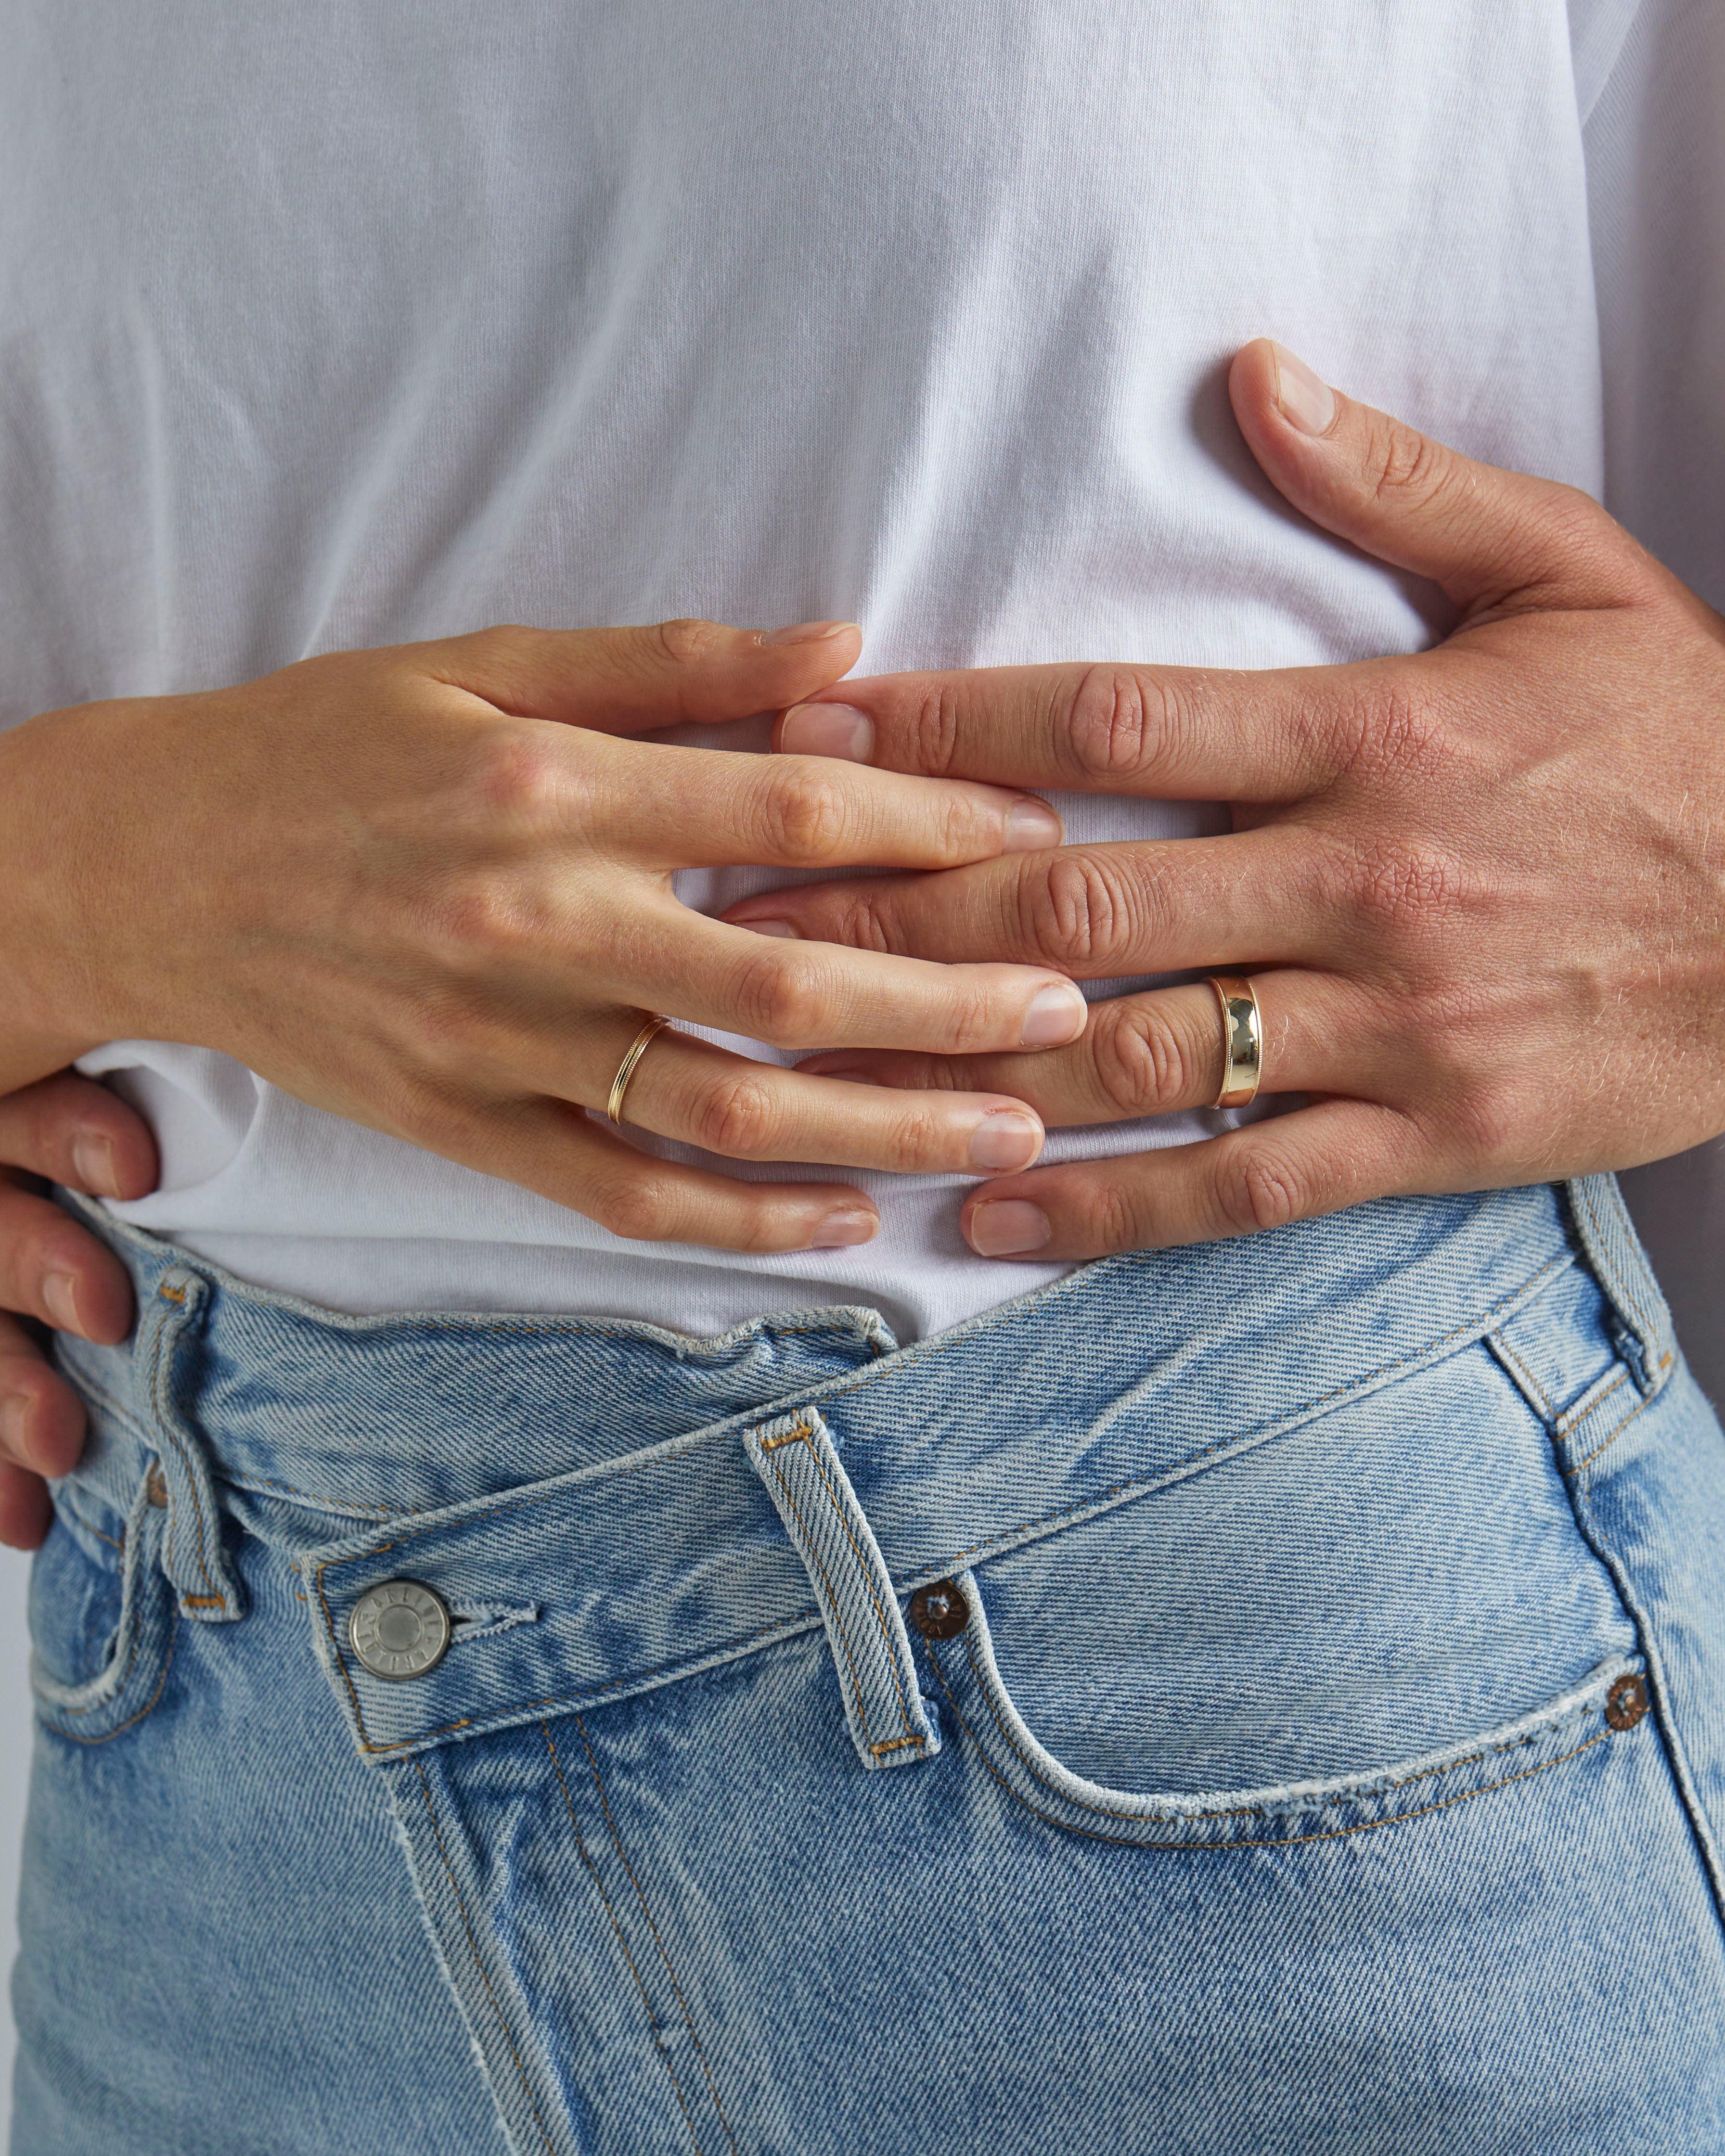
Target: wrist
69, 916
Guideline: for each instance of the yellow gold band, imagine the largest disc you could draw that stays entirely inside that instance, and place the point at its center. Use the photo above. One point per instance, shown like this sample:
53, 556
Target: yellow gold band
626, 1070
1242, 1040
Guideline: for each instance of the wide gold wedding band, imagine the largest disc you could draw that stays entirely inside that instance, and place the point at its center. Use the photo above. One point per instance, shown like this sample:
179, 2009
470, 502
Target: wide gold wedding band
1242, 1040
626, 1070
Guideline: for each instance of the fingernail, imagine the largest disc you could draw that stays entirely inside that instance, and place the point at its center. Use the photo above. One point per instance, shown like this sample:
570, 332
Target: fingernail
1056, 1015
828, 730
769, 928
838, 1230
1008, 1227
93, 1157
1304, 401
59, 1291
1004, 1141
14, 1419
807, 632
1031, 826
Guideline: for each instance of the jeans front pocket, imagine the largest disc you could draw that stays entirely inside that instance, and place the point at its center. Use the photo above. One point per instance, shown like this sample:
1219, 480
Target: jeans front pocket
1611, 1700
1393, 1593
102, 1621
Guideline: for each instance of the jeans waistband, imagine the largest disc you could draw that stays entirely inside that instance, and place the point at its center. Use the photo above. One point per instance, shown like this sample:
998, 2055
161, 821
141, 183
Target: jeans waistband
694, 1496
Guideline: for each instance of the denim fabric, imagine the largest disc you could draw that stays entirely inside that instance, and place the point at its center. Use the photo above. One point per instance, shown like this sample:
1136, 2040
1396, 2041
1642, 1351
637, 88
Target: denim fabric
1263, 1697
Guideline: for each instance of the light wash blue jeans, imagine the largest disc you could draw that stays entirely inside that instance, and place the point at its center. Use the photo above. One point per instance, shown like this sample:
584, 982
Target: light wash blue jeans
1267, 1697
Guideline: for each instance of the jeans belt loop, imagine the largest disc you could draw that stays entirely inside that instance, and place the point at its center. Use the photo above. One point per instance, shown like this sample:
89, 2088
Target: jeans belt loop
796, 1459
192, 1555
1622, 1269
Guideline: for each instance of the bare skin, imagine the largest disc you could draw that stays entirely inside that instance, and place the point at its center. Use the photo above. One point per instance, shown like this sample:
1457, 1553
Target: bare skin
55, 1273
429, 889
1482, 891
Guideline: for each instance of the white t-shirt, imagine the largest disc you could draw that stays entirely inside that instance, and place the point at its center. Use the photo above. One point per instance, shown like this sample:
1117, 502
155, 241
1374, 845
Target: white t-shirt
327, 325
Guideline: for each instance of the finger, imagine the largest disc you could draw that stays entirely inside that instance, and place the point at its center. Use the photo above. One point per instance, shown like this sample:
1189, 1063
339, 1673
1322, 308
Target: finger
692, 1090
1287, 1168
1169, 732
629, 680
41, 1417
1281, 892
548, 1146
796, 993
76, 1133
677, 807
54, 1270
1494, 540
26, 1511
1159, 1052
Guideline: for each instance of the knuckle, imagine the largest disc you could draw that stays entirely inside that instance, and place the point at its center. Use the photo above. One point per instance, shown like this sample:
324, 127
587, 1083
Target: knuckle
501, 643
1108, 1220
805, 811
966, 827
1410, 735
1255, 1188
1117, 719
1402, 463
971, 1016
428, 1107
639, 1208
778, 997
860, 919
1393, 729
1585, 530
454, 1043
477, 920
689, 640
1143, 1065
919, 1139
1080, 906
738, 1117
932, 730
521, 774
1405, 890
1485, 1118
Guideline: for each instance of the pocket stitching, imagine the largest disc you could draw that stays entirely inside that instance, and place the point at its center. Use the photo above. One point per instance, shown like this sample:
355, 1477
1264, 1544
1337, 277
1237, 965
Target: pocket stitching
605, 1899
473, 1944
1266, 1841
47, 1711
1237, 1811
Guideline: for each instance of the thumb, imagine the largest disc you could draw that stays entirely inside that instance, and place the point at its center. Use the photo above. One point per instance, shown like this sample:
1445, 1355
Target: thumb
1494, 540
631, 681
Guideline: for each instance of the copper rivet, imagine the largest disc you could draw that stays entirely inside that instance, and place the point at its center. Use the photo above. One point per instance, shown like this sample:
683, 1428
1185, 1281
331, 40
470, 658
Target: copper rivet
156, 1487
939, 1612
1626, 1702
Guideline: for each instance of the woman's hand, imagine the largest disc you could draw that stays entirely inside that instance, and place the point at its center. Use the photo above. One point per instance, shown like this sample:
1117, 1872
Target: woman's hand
1483, 888
430, 889
70, 1131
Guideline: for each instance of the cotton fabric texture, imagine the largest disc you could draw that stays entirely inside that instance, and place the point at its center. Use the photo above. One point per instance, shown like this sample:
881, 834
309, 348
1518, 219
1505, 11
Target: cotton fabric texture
1267, 1698
326, 326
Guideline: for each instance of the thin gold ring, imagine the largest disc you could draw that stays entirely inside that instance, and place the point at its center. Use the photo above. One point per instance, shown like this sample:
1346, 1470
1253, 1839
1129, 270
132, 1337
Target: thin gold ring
1242, 1040
626, 1070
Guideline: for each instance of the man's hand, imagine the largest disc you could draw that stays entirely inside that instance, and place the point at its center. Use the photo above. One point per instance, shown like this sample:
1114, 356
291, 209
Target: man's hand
430, 889
52, 1270
1483, 889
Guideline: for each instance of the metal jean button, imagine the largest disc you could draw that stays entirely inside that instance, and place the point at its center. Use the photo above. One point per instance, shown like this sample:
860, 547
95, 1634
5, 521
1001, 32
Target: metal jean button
1627, 1702
940, 1612
400, 1630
